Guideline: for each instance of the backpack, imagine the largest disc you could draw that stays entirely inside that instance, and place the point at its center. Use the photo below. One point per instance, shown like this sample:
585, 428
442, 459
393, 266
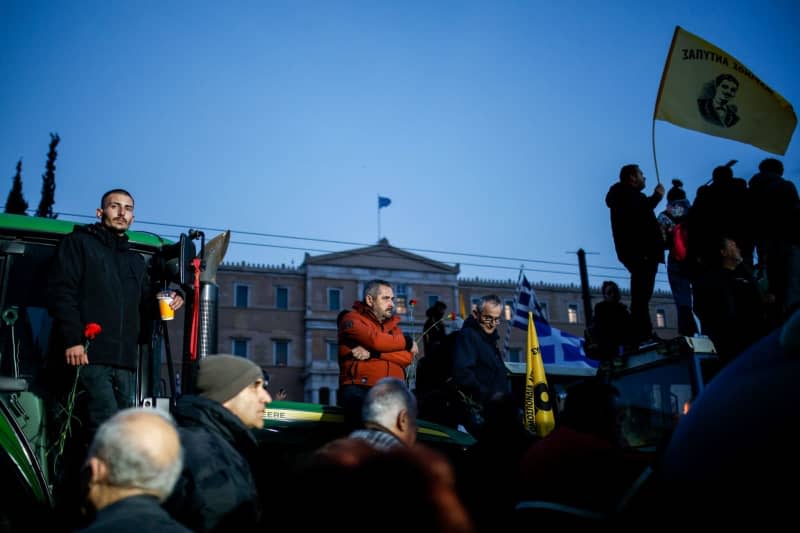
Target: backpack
680, 241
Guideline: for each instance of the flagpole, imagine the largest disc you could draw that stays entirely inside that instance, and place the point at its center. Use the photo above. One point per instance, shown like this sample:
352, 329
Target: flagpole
513, 313
379, 219
658, 98
655, 159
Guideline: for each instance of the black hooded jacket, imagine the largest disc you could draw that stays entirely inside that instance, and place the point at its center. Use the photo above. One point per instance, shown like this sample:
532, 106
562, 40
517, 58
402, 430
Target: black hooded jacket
637, 235
97, 278
216, 490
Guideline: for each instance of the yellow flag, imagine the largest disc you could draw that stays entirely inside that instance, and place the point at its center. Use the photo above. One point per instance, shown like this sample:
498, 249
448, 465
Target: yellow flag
706, 89
538, 404
462, 310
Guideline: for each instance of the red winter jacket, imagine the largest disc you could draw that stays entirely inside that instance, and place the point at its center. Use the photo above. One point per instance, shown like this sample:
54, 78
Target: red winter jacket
389, 348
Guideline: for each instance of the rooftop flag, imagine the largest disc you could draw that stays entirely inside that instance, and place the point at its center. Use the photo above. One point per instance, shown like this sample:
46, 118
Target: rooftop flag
703, 88
384, 202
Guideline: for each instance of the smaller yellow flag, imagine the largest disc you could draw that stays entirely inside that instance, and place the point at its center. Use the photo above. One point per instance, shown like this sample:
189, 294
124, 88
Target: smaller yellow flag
462, 310
538, 402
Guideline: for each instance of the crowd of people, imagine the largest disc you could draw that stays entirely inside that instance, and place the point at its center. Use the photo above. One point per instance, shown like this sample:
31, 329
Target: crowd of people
733, 258
200, 467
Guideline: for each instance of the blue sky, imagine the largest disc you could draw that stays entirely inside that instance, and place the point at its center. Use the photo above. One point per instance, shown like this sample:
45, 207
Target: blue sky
496, 128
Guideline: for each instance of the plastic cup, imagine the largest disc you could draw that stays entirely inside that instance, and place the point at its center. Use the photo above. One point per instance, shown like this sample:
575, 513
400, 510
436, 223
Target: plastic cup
164, 301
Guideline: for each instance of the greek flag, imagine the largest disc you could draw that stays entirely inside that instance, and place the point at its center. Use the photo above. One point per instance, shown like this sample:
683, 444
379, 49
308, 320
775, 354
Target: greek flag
559, 348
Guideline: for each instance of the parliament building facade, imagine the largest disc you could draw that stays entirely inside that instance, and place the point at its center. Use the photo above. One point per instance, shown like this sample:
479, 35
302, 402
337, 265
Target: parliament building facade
284, 318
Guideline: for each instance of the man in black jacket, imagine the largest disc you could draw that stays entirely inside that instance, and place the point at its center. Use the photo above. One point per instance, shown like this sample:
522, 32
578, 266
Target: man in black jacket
478, 368
217, 489
98, 279
638, 241
133, 463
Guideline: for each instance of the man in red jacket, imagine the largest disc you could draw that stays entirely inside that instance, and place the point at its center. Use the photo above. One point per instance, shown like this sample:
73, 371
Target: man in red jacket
371, 347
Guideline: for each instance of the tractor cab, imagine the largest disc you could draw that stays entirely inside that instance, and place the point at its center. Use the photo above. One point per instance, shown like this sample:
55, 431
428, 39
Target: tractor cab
27, 249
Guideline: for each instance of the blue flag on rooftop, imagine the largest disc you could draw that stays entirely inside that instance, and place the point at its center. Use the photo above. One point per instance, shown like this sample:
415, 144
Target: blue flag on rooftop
383, 201
558, 347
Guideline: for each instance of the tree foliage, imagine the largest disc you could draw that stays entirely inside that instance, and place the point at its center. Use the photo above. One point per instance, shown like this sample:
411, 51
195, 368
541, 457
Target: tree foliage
48, 198
15, 203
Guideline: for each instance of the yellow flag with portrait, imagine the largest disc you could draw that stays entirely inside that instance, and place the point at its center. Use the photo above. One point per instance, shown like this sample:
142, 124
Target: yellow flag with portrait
703, 88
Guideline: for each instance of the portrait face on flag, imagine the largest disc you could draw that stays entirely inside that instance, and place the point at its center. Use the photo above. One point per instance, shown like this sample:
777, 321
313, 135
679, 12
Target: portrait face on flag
716, 101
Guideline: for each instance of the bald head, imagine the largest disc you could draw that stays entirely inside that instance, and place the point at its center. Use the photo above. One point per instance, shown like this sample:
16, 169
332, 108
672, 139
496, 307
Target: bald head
152, 435
137, 451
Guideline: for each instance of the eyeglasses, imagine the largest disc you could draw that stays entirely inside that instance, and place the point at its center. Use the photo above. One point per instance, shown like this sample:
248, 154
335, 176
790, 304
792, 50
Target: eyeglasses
491, 319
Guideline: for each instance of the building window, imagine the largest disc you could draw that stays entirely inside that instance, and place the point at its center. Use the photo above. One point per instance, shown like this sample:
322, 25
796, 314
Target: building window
400, 298
432, 299
334, 299
544, 311
280, 352
241, 295
281, 298
661, 318
514, 355
332, 349
508, 309
572, 314
240, 347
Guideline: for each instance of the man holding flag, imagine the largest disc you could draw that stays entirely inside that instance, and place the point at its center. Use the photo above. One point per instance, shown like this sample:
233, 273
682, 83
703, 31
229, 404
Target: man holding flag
638, 241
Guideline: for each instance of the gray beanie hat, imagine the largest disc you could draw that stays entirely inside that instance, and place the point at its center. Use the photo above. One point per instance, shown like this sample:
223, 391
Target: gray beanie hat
223, 376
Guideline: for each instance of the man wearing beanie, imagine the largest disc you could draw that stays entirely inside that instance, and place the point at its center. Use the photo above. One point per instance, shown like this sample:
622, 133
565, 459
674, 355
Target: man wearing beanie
217, 489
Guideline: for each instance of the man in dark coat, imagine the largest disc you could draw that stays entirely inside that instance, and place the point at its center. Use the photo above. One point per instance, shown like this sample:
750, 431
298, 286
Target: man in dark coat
478, 368
434, 370
133, 463
638, 241
721, 208
776, 220
610, 328
217, 489
729, 303
98, 279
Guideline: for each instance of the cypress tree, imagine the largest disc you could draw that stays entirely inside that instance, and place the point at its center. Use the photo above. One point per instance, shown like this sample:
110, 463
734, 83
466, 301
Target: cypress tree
15, 203
45, 208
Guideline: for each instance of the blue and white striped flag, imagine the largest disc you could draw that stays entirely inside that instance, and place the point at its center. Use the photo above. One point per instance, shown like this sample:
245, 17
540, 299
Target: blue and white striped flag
559, 348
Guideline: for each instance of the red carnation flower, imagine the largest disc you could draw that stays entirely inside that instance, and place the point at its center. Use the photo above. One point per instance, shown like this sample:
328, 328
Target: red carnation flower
92, 330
